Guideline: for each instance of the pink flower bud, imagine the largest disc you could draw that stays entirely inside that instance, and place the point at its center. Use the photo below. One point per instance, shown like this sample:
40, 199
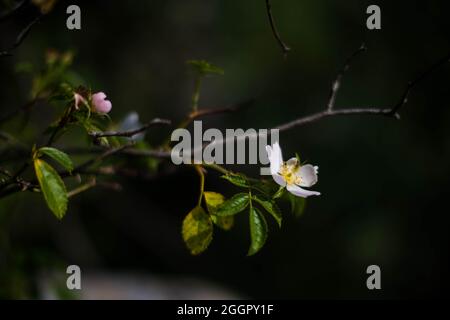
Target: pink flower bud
100, 104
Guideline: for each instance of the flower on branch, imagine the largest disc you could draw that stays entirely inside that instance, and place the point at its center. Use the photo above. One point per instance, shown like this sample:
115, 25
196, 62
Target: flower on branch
100, 104
292, 174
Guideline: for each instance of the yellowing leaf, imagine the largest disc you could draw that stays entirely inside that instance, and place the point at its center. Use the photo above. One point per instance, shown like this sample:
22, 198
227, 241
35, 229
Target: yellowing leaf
197, 231
213, 201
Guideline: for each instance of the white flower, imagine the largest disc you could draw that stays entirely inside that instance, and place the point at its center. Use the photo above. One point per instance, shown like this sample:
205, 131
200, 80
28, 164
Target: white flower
292, 174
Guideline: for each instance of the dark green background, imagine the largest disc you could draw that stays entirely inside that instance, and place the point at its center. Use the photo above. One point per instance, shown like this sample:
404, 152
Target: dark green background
384, 182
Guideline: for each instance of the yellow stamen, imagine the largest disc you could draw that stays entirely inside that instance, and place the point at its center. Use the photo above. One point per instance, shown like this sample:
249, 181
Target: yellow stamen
289, 173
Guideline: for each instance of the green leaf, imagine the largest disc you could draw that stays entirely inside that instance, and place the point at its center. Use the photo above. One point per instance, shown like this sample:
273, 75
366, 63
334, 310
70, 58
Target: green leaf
213, 201
237, 179
62, 158
258, 231
298, 204
197, 231
205, 68
271, 207
234, 205
52, 187
279, 193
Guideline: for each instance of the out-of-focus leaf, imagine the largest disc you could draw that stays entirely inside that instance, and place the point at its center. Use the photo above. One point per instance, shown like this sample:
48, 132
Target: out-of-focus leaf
52, 187
258, 231
197, 231
62, 158
44, 5
234, 205
205, 68
298, 204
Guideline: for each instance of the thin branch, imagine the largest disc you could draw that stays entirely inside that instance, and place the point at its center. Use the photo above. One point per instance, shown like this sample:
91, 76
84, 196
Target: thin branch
275, 32
21, 37
130, 133
5, 16
329, 113
108, 153
337, 82
404, 98
216, 111
24, 108
61, 125
90, 184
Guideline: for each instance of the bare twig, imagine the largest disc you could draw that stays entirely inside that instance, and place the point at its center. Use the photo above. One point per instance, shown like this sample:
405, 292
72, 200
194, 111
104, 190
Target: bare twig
275, 32
21, 37
24, 108
216, 111
130, 133
106, 154
329, 113
404, 97
61, 125
337, 82
6, 15
90, 184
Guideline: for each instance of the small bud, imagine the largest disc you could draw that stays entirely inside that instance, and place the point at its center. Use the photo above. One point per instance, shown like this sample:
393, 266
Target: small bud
100, 104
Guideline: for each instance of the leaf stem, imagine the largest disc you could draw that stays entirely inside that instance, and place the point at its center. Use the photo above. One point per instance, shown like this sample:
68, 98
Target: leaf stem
196, 94
216, 167
82, 188
199, 170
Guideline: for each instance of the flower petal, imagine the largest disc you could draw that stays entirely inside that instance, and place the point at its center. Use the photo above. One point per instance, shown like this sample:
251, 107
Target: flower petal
308, 175
279, 179
98, 97
292, 162
275, 157
104, 107
299, 192
78, 100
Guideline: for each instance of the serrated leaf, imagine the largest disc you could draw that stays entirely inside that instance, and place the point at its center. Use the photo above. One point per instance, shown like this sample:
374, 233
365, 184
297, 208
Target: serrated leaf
197, 231
258, 231
52, 187
237, 180
271, 207
298, 204
213, 201
234, 205
62, 158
